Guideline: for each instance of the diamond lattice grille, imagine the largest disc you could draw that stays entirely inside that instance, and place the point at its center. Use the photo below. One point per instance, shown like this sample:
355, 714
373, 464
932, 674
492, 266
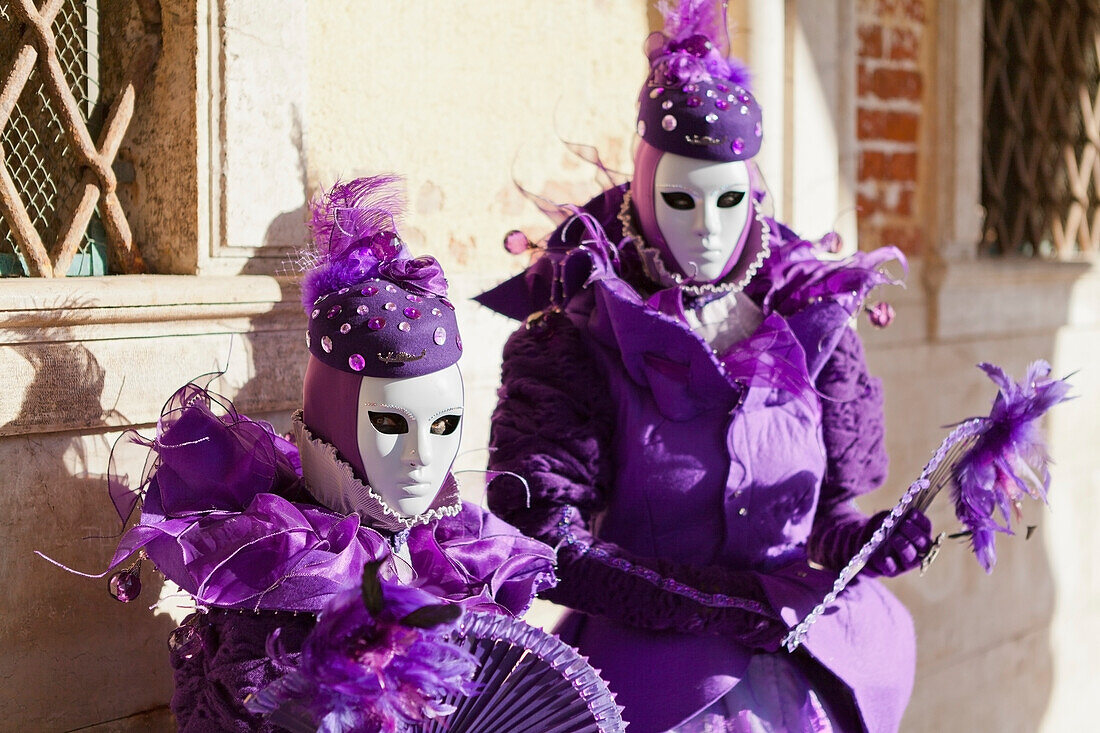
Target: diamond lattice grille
1041, 138
59, 138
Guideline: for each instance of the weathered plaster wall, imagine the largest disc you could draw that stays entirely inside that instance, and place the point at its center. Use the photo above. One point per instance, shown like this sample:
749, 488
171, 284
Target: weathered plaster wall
159, 185
462, 98
999, 652
467, 100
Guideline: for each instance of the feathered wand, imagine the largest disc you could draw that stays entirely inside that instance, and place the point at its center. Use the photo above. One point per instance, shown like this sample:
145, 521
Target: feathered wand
991, 463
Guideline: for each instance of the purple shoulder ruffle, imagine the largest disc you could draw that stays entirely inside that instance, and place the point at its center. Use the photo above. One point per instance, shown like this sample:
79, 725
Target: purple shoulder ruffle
481, 562
795, 276
221, 515
224, 516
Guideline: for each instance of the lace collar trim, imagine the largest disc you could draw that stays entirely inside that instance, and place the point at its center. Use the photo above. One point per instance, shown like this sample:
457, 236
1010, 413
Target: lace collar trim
332, 481
657, 271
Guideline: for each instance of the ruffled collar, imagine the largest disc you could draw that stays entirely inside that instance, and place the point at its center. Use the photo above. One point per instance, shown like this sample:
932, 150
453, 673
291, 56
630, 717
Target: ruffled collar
757, 249
332, 481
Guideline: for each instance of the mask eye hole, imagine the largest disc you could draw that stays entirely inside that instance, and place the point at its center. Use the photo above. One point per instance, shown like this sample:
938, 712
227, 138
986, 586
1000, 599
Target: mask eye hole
730, 199
446, 425
677, 200
388, 423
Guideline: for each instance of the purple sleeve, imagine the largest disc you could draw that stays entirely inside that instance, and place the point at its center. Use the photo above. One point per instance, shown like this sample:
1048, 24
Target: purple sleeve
854, 434
552, 426
222, 660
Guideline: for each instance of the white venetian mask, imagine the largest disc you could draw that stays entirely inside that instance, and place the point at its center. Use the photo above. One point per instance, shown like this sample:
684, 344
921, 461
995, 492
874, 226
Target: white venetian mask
408, 433
702, 209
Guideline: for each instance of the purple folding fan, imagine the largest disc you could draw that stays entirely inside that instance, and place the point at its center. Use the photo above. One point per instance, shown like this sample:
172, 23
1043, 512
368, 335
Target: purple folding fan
389, 658
529, 681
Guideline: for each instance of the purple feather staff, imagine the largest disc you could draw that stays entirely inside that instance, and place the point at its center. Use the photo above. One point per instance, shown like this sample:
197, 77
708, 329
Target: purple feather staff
1009, 458
990, 462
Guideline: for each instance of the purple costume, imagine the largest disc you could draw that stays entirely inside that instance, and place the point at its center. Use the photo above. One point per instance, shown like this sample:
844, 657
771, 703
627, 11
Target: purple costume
227, 517
689, 482
262, 531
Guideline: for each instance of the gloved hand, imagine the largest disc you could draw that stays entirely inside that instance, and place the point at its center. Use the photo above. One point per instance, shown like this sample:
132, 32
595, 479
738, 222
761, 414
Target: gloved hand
904, 549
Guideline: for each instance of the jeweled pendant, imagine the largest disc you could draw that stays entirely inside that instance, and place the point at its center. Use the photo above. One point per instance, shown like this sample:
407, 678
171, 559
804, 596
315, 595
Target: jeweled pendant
125, 585
184, 640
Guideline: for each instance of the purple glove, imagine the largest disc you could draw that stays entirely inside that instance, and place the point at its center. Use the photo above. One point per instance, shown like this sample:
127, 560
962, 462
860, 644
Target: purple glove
840, 532
904, 549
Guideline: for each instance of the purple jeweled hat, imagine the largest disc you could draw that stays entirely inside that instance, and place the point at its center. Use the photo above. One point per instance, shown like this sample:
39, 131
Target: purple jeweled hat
374, 310
696, 101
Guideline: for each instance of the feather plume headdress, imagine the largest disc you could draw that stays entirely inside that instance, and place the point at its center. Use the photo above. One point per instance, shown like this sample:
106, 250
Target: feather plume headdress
696, 101
694, 45
359, 270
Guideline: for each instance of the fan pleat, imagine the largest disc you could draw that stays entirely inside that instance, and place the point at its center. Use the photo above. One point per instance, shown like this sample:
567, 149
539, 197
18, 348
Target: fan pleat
529, 682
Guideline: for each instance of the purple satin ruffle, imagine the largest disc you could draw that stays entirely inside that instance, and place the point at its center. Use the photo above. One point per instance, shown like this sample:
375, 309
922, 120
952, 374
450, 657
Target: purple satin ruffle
790, 282
225, 517
482, 562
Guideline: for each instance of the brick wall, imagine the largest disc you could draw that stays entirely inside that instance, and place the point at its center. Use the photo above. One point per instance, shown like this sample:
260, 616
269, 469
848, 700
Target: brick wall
891, 85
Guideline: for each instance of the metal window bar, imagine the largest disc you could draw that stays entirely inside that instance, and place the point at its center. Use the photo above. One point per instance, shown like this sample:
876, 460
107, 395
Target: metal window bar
59, 134
1041, 132
44, 170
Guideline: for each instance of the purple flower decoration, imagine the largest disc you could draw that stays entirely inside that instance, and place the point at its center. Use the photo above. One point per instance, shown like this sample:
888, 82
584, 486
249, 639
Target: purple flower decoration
831, 243
694, 45
422, 275
354, 227
378, 660
881, 314
1009, 459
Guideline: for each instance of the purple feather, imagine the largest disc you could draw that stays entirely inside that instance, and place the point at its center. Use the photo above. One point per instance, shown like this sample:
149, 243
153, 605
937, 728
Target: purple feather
367, 672
695, 44
354, 210
691, 17
354, 226
1009, 459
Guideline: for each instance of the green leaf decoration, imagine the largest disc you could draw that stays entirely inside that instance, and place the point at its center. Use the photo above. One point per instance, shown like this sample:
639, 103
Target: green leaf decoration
372, 587
427, 617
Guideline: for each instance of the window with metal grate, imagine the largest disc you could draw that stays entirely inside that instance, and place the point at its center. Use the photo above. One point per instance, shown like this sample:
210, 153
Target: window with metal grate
59, 135
1041, 131
42, 166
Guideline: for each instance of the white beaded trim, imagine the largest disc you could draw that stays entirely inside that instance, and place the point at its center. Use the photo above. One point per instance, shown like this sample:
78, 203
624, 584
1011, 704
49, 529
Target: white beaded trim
337, 477
657, 271
935, 475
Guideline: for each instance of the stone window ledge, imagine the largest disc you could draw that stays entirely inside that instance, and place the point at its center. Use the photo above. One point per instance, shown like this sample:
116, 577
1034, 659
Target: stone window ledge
990, 298
73, 309
93, 354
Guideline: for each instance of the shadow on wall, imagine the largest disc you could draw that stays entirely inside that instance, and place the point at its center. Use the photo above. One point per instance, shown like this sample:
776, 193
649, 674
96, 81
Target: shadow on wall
287, 232
985, 655
71, 655
68, 651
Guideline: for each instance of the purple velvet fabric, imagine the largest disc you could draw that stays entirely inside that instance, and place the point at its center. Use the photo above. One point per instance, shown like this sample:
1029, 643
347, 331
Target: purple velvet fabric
224, 661
706, 483
695, 102
383, 327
